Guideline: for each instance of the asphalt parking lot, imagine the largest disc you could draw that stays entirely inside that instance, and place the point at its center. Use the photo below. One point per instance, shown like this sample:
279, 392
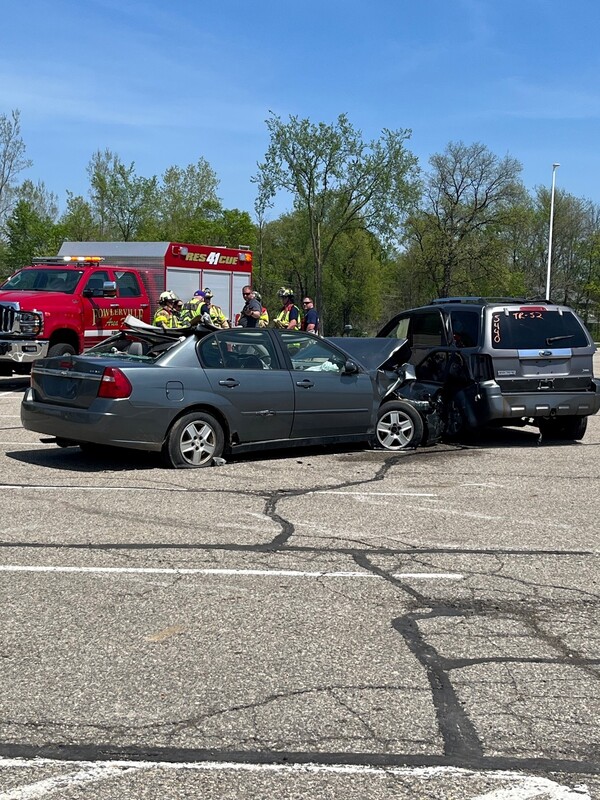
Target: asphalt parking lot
330, 624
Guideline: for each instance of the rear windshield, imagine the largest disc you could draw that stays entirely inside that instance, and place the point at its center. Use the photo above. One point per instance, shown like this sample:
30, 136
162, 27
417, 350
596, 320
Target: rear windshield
132, 347
535, 329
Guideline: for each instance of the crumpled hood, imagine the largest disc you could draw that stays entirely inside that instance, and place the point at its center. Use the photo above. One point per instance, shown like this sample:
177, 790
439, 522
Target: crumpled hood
374, 354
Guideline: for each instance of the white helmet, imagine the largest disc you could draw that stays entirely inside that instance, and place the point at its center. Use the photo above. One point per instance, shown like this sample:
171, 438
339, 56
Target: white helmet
167, 297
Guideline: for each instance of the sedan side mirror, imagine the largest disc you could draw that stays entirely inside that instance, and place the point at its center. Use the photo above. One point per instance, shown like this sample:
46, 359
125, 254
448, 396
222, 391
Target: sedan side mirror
350, 368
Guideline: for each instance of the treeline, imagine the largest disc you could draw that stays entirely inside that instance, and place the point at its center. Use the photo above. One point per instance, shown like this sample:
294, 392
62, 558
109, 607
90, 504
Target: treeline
371, 230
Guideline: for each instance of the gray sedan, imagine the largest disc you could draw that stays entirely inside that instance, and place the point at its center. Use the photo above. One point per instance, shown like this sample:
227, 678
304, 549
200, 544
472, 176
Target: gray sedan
196, 393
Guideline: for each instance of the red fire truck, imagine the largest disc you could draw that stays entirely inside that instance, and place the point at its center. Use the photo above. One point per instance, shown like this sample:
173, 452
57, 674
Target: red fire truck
182, 268
65, 303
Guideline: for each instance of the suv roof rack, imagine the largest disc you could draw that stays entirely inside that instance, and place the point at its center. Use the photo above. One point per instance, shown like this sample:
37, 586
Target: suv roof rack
478, 300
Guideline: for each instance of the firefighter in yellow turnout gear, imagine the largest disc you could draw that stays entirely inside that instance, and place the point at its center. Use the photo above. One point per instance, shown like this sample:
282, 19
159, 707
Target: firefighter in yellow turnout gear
165, 315
289, 316
217, 316
263, 320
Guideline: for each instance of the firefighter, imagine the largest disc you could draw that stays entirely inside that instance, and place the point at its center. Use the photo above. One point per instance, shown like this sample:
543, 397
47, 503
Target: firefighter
217, 316
179, 312
289, 316
166, 315
263, 320
193, 307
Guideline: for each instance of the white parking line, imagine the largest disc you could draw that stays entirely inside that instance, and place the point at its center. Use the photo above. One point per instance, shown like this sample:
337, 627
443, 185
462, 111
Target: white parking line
266, 573
521, 783
59, 783
536, 787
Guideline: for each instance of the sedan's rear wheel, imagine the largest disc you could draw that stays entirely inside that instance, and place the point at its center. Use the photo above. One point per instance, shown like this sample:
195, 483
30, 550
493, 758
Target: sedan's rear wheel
193, 441
569, 428
399, 426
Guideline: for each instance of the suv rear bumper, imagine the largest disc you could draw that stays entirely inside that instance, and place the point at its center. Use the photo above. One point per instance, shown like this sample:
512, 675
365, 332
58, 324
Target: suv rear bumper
498, 406
22, 351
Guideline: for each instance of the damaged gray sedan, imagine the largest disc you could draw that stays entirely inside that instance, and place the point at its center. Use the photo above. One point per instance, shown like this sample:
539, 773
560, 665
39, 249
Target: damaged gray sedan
198, 393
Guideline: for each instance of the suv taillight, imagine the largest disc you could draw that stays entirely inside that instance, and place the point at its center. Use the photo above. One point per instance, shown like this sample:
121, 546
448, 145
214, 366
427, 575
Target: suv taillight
482, 367
114, 384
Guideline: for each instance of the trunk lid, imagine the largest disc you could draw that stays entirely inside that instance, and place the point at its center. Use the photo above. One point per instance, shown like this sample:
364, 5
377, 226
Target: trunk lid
67, 380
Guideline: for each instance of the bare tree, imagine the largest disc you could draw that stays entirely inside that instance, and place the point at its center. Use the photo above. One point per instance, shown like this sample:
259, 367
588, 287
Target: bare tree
468, 195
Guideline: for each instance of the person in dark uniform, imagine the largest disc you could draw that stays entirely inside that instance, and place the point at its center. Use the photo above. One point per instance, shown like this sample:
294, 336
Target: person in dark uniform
310, 320
250, 313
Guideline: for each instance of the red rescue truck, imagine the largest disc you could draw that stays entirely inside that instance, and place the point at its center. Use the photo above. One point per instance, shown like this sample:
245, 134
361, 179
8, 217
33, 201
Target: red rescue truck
182, 268
66, 303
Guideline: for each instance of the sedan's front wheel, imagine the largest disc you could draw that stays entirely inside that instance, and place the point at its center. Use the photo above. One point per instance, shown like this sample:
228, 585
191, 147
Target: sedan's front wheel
399, 426
193, 441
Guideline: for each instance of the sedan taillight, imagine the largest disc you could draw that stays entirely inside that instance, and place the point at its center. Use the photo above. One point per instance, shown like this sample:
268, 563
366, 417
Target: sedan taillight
114, 384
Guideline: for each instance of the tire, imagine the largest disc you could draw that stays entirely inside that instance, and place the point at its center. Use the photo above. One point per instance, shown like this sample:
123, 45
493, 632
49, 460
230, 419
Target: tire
563, 428
193, 441
399, 426
60, 350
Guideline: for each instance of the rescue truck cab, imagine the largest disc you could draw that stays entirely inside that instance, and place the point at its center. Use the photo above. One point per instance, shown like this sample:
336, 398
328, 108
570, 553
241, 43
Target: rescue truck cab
63, 305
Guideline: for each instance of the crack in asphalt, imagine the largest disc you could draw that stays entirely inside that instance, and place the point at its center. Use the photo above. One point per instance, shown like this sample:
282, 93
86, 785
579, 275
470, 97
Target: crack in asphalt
176, 755
462, 745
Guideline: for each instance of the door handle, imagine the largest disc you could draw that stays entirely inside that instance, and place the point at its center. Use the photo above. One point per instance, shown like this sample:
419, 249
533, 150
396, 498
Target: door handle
305, 384
114, 305
229, 382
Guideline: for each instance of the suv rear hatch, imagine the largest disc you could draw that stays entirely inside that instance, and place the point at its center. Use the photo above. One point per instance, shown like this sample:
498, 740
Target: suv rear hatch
537, 348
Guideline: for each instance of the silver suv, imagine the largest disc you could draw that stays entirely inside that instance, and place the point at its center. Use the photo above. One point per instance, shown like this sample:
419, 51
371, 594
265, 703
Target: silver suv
502, 361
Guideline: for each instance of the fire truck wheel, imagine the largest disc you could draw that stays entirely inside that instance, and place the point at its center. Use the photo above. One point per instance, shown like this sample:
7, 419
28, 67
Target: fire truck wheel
61, 350
193, 441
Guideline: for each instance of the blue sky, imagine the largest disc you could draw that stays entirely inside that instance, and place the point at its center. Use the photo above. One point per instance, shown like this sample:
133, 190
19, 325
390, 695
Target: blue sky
164, 83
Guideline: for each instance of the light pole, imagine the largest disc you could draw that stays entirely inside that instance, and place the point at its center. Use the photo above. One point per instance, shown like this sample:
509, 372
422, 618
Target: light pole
554, 168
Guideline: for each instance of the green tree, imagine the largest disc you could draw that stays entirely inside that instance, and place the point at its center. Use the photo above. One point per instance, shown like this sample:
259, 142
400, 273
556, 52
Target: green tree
185, 198
77, 223
122, 200
28, 235
286, 259
231, 228
354, 282
338, 181
42, 201
12, 159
